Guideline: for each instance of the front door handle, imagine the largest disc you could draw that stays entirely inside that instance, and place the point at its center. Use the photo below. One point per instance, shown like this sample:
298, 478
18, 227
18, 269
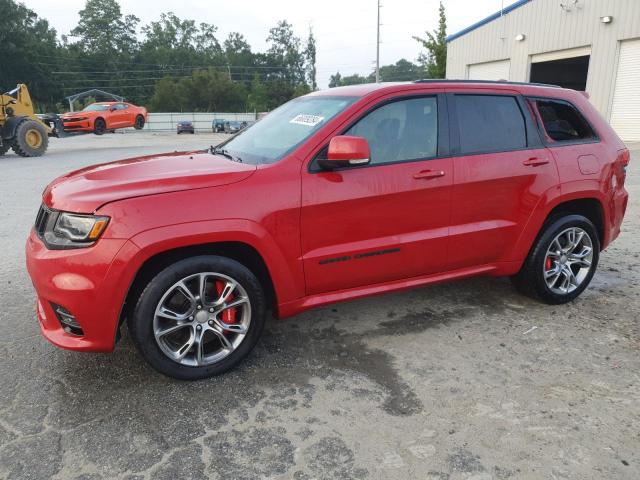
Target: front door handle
427, 174
535, 161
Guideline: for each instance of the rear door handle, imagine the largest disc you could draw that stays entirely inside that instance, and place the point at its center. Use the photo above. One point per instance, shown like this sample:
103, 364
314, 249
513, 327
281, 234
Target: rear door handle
535, 161
427, 174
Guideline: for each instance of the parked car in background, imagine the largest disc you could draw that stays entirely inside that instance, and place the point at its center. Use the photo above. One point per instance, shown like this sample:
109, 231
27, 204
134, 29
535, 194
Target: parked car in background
185, 126
361, 190
232, 127
104, 116
218, 125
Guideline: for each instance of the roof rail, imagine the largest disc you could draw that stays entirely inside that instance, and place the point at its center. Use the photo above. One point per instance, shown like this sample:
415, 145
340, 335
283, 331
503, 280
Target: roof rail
491, 82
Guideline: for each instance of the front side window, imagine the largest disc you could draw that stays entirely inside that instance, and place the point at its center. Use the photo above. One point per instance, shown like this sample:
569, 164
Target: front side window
401, 130
96, 107
490, 123
562, 122
282, 130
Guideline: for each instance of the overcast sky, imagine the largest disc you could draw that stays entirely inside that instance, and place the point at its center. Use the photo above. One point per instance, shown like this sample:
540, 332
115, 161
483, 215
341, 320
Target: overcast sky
345, 30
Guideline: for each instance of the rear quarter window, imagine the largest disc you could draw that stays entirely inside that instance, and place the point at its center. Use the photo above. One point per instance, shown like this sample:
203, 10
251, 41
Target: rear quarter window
562, 122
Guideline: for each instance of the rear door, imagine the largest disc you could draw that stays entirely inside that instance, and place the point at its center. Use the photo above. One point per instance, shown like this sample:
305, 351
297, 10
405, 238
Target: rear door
501, 173
387, 220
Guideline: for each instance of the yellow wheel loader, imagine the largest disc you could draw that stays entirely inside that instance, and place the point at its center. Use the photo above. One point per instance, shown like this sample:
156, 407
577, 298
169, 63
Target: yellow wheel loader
20, 128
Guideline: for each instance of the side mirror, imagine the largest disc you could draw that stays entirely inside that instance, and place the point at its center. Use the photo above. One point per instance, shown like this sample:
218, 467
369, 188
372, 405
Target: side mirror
346, 151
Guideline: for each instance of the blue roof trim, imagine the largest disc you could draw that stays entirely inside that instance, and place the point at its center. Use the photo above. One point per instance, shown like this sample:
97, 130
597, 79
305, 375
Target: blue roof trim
490, 18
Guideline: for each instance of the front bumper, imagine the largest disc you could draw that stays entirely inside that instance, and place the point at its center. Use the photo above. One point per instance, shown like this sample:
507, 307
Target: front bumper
91, 283
79, 125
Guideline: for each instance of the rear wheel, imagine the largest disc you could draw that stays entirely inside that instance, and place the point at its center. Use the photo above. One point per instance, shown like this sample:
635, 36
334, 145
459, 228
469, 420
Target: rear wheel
99, 126
198, 317
31, 139
139, 123
4, 148
562, 262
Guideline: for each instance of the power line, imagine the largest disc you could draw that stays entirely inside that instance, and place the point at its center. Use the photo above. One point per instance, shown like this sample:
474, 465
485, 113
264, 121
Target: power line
225, 67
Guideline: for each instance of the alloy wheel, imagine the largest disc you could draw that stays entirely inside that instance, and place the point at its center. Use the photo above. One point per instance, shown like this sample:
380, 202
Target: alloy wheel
202, 318
568, 260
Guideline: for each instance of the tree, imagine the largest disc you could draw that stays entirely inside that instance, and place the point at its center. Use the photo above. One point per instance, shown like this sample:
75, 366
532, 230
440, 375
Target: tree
310, 54
258, 97
335, 80
403, 70
434, 60
29, 53
285, 51
338, 80
103, 30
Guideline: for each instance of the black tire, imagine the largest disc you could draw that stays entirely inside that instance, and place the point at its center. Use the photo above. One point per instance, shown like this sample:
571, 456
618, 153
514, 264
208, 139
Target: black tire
23, 143
140, 321
139, 123
4, 148
530, 279
179, 132
99, 126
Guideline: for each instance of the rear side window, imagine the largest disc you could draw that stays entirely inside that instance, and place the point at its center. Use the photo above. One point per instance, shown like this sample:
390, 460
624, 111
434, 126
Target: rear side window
562, 122
490, 123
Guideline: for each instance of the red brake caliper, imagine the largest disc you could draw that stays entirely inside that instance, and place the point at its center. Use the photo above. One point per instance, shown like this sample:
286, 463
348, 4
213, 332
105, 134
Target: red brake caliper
229, 315
548, 263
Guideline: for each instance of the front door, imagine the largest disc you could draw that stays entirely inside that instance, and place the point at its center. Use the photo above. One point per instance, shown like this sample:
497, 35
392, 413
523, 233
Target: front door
118, 117
387, 220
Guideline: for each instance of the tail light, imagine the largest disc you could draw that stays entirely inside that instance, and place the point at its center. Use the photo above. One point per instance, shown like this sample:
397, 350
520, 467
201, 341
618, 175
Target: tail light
624, 157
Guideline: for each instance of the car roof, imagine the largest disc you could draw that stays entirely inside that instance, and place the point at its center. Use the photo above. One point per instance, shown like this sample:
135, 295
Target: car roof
364, 89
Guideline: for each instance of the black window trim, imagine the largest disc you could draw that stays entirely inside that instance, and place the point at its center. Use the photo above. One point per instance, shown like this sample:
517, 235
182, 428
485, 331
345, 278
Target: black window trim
562, 143
532, 134
442, 148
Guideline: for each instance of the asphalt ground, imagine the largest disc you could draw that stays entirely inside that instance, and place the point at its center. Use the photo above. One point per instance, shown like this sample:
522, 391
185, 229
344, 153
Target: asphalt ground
467, 380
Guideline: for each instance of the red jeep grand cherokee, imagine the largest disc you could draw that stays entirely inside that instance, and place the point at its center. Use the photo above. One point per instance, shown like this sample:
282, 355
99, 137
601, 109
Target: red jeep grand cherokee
336, 195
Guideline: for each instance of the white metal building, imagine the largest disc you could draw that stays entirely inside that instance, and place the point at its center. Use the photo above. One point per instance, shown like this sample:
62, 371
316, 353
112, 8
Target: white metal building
591, 45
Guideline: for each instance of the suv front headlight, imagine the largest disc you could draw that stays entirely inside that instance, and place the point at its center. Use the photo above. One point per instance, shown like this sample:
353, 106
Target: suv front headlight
61, 230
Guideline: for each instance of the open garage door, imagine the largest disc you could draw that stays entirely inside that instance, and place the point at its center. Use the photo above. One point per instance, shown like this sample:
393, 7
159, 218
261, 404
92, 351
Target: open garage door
489, 70
566, 68
625, 109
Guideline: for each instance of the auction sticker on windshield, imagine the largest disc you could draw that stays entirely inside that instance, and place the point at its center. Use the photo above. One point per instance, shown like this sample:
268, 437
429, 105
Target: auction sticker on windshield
308, 120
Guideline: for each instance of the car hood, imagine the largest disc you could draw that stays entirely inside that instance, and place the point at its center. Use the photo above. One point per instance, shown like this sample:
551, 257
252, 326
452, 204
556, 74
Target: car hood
89, 113
85, 190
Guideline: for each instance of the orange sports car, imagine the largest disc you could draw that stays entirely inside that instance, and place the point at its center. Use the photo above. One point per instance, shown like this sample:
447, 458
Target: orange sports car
104, 116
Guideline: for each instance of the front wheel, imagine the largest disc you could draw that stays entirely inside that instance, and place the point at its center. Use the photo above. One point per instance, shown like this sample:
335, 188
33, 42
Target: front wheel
4, 148
31, 139
99, 126
139, 123
198, 317
562, 262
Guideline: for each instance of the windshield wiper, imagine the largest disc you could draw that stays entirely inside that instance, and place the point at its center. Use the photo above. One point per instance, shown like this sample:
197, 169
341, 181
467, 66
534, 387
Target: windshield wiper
216, 150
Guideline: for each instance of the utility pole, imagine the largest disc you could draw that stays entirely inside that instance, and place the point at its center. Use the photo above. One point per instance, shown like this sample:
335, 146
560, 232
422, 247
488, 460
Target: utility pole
378, 47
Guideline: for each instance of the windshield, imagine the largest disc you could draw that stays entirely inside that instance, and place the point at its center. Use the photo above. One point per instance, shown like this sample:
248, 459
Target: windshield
268, 140
95, 108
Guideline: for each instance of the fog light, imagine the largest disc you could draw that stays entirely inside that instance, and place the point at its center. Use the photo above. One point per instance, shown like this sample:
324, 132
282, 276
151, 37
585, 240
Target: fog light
67, 320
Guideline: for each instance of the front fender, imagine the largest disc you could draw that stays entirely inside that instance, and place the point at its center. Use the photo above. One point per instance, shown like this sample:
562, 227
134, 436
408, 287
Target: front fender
9, 129
287, 276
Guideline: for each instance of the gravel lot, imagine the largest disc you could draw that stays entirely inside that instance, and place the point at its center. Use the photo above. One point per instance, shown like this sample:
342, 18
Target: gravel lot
467, 380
